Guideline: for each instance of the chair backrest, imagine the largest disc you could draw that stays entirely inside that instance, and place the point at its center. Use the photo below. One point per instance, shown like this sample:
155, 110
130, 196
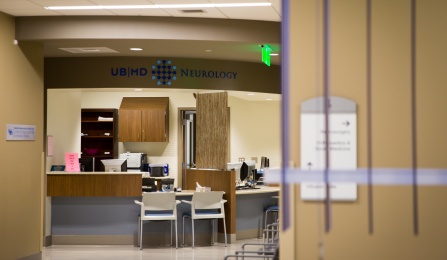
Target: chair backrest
207, 200
159, 201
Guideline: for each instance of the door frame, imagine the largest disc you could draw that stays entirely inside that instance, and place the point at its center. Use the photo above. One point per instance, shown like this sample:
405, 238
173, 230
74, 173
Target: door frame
180, 144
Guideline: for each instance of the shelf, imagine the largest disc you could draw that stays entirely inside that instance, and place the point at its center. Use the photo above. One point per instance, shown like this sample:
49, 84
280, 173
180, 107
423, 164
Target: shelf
92, 134
98, 155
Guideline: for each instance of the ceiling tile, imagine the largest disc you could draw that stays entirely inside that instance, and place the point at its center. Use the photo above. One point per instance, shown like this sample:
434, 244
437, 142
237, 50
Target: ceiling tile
62, 2
85, 12
18, 4
208, 13
168, 2
141, 12
121, 2
252, 13
238, 1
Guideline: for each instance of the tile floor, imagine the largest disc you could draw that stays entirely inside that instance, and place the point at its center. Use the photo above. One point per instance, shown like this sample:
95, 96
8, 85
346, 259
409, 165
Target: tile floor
75, 252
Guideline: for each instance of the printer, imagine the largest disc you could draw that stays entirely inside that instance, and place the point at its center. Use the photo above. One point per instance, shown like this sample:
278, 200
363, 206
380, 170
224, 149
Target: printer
135, 161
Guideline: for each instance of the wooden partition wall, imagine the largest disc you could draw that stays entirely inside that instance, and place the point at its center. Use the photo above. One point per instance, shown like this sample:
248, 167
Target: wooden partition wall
217, 180
212, 144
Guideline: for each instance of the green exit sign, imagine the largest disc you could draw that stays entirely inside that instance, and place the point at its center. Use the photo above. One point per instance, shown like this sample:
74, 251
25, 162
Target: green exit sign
266, 50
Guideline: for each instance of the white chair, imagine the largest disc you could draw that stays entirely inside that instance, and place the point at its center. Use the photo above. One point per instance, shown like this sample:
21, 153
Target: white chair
206, 205
157, 206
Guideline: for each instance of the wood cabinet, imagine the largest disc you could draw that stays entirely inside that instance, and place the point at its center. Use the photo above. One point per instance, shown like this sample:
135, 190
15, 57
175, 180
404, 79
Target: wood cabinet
144, 119
99, 135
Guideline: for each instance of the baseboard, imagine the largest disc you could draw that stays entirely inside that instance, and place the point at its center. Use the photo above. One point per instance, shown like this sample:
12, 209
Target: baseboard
231, 238
249, 233
47, 241
153, 240
93, 240
37, 256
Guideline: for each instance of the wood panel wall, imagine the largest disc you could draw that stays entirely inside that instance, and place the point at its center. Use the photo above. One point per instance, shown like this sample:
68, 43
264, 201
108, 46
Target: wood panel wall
217, 180
91, 185
212, 151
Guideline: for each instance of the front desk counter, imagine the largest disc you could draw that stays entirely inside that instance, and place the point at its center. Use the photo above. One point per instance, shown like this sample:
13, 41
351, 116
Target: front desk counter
113, 219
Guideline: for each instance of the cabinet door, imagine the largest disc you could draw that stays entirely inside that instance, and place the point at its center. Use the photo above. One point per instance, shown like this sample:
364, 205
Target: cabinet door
153, 125
129, 126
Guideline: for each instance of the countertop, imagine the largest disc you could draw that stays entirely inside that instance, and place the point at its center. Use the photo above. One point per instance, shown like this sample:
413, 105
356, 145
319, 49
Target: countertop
263, 189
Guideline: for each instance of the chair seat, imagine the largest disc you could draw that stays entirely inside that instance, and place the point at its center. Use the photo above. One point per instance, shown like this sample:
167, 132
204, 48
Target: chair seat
205, 214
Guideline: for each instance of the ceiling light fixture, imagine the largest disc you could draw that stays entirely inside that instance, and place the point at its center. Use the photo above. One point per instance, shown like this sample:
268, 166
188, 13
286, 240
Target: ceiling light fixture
274, 54
250, 94
178, 6
136, 49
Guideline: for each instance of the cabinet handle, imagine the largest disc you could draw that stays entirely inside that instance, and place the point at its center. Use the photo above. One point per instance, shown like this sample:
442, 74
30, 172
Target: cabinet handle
138, 137
144, 136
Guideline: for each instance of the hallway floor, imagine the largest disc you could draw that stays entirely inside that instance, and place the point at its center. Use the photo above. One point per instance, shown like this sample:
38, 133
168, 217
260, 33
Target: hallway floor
128, 252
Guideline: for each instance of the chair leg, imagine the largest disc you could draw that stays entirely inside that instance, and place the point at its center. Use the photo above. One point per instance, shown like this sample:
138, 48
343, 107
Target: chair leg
170, 223
141, 235
265, 219
176, 237
225, 232
212, 231
138, 237
192, 225
183, 230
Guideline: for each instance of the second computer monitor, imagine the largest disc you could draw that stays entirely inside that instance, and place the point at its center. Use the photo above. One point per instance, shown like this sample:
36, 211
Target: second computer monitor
235, 166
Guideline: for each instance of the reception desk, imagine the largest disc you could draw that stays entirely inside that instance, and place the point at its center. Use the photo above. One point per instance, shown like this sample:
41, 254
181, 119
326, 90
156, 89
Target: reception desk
84, 210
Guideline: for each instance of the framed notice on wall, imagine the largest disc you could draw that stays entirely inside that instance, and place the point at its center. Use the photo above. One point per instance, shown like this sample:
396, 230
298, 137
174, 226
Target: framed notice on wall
20, 132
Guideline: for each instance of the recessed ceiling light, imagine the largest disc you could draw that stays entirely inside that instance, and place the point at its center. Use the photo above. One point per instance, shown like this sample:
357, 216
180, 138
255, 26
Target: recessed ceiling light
136, 49
178, 6
138, 89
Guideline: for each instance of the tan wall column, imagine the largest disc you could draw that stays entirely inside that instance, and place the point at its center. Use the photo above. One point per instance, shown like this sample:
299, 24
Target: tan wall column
393, 236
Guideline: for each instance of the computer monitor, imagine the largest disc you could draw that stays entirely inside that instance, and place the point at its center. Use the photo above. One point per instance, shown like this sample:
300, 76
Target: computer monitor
115, 165
247, 169
86, 164
244, 171
236, 166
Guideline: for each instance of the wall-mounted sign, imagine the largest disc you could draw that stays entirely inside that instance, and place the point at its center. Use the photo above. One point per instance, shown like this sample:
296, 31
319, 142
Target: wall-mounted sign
152, 72
342, 145
165, 72
20, 132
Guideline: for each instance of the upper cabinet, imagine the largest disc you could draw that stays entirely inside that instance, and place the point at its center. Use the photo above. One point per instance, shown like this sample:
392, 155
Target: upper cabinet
144, 119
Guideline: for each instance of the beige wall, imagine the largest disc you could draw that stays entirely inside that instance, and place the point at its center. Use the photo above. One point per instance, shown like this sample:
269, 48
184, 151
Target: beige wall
21, 102
255, 130
393, 236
